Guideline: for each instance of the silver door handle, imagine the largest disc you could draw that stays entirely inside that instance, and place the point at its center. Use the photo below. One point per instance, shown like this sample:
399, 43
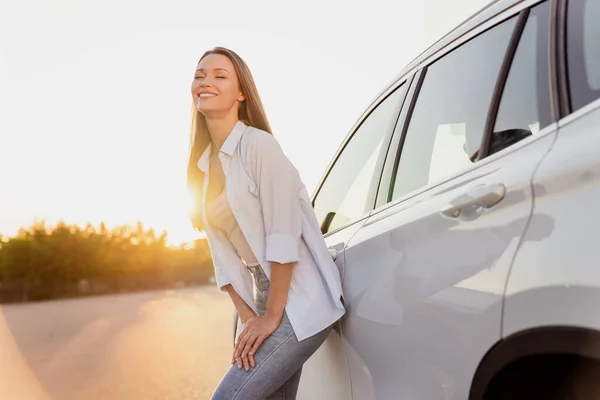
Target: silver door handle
484, 196
333, 253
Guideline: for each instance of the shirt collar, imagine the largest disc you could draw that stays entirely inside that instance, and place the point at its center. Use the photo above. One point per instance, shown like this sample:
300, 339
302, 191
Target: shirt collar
228, 147
233, 139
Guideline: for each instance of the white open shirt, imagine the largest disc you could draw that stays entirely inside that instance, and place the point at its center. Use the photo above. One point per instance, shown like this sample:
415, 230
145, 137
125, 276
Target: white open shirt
273, 209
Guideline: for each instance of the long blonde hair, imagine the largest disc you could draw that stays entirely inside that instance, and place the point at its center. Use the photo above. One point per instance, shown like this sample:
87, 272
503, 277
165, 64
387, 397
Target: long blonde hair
251, 112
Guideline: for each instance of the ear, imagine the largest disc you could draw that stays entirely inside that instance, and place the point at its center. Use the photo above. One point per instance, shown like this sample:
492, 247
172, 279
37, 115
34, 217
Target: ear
241, 97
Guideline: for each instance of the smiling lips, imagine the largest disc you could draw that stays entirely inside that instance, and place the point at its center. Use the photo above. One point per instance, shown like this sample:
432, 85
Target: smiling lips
206, 95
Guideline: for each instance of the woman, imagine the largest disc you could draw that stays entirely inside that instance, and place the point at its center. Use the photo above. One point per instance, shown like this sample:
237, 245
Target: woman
261, 230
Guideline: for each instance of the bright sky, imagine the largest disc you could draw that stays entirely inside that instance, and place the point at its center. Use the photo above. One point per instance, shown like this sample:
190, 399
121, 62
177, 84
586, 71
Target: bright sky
95, 101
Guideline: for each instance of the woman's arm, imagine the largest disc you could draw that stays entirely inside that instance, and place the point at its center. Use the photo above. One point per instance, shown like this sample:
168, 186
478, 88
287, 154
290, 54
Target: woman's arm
243, 310
281, 276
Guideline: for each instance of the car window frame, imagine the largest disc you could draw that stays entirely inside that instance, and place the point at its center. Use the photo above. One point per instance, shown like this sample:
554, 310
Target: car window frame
392, 155
371, 197
559, 72
561, 36
503, 76
521, 12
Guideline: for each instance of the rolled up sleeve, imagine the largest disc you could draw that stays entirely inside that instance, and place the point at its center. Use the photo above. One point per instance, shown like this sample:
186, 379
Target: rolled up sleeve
278, 189
221, 278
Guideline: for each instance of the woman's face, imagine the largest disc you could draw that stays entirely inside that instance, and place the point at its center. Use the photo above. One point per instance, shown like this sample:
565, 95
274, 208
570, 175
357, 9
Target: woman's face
215, 89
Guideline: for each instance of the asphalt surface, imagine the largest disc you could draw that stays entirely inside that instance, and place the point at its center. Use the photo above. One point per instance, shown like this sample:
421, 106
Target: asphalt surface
155, 345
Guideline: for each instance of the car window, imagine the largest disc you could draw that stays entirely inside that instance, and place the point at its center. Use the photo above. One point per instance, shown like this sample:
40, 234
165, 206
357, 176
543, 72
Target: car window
525, 103
345, 191
446, 127
583, 51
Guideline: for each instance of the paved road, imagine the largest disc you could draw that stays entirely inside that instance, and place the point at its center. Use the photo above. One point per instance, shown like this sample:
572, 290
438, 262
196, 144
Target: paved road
155, 345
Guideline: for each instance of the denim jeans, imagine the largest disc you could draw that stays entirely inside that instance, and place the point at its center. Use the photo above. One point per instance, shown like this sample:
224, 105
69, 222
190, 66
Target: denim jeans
279, 358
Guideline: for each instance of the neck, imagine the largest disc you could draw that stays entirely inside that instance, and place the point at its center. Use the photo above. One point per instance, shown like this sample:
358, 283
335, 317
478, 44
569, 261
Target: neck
219, 129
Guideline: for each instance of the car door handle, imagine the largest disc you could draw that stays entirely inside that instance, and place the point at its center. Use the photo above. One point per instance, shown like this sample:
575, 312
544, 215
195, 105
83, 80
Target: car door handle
333, 253
482, 196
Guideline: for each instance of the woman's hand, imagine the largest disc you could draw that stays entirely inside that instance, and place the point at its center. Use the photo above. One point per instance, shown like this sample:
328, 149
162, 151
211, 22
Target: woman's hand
255, 331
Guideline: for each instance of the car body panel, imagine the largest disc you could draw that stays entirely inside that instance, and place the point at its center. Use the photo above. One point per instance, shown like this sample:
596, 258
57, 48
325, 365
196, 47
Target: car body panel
556, 281
424, 292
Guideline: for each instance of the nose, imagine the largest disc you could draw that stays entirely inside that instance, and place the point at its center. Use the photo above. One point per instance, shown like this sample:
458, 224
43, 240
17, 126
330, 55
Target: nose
200, 86
205, 86
206, 82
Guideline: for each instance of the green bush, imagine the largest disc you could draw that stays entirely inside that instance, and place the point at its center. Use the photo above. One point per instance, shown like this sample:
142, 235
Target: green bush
45, 262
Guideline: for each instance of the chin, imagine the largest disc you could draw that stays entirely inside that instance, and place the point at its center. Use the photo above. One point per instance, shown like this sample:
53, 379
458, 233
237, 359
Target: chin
204, 108
208, 112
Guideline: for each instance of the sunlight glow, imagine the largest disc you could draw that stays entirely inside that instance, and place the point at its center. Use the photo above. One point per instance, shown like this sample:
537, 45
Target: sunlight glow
109, 139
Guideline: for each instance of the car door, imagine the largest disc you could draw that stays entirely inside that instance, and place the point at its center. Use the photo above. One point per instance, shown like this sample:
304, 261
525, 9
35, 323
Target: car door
425, 274
342, 203
562, 271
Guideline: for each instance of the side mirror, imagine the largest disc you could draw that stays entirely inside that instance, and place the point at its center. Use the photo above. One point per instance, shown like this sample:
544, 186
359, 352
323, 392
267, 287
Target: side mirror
506, 138
327, 222
501, 140
472, 157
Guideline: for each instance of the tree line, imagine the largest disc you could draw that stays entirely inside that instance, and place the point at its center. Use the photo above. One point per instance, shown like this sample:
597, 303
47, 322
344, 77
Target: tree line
47, 262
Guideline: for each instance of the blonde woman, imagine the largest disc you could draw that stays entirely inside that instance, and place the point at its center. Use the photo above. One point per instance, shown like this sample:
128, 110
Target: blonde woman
268, 251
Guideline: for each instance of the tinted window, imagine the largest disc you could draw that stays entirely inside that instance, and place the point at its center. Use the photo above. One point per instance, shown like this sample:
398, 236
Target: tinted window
583, 51
345, 191
525, 104
446, 127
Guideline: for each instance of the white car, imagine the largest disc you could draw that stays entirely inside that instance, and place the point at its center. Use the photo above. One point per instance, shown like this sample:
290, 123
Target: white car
463, 209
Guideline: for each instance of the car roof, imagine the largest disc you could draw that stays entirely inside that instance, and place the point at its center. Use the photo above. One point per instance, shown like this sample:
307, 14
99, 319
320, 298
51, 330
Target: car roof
484, 14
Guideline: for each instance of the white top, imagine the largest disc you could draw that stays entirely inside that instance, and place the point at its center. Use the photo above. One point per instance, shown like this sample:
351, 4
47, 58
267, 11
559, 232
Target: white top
273, 210
220, 216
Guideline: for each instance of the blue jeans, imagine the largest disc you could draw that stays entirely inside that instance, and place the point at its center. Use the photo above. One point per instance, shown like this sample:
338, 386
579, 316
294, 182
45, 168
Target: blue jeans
279, 359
